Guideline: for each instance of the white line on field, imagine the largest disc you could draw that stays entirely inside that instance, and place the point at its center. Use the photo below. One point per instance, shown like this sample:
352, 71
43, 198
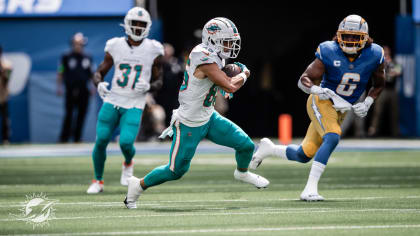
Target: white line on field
260, 212
157, 203
233, 230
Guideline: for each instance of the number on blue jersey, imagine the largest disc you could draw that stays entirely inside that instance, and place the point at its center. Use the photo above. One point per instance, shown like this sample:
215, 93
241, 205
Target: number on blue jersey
348, 84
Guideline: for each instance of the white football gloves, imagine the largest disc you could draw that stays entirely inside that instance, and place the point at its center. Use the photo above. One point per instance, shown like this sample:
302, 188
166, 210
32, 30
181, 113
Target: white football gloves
103, 90
142, 87
361, 109
339, 103
321, 92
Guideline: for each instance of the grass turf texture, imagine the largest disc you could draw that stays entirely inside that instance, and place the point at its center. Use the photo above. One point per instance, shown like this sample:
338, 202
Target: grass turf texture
367, 193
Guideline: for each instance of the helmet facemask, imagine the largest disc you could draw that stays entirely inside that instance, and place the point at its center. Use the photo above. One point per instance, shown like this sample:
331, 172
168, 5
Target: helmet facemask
222, 36
138, 29
137, 23
352, 34
228, 47
351, 42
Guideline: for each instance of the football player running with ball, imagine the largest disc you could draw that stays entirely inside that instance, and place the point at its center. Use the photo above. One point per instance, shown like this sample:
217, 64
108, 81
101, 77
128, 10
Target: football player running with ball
335, 80
196, 119
136, 60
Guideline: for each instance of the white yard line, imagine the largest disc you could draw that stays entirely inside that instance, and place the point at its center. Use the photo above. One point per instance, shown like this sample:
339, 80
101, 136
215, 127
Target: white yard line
157, 203
234, 230
259, 212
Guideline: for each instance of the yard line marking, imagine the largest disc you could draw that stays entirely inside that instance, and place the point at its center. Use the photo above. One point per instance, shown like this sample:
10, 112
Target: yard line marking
152, 203
309, 210
232, 230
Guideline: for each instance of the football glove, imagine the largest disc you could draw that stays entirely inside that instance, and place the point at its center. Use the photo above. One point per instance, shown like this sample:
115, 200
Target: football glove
361, 109
142, 87
340, 104
242, 66
321, 92
103, 90
245, 71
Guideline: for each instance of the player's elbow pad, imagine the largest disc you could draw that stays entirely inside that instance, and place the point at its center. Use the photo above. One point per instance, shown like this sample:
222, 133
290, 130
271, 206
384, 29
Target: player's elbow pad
303, 87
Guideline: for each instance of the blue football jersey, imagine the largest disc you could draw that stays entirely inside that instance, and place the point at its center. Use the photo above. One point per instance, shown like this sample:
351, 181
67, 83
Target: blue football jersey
345, 78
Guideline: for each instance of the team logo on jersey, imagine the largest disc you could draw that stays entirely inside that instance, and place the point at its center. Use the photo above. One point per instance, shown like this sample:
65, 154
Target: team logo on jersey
337, 63
213, 28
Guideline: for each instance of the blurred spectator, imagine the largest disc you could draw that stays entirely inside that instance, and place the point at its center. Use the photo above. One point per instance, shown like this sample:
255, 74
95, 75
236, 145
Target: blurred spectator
5, 70
153, 120
388, 100
75, 71
173, 70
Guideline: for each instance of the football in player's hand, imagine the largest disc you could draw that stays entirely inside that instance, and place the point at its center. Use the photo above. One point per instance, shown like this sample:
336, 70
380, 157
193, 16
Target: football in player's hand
231, 70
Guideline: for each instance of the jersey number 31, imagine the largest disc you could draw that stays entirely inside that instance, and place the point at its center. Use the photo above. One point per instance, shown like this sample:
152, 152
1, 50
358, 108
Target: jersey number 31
126, 69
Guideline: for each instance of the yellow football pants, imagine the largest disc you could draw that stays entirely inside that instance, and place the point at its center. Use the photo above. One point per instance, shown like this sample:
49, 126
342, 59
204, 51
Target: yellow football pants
324, 119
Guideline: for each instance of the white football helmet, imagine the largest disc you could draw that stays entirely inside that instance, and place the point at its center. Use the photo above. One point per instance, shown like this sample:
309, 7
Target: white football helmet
352, 34
222, 36
137, 33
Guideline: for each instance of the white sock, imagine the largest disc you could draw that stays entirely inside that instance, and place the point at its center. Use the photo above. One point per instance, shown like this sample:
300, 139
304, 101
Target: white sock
280, 151
316, 171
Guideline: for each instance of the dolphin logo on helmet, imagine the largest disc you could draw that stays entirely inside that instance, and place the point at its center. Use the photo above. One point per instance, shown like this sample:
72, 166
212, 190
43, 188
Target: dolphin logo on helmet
221, 35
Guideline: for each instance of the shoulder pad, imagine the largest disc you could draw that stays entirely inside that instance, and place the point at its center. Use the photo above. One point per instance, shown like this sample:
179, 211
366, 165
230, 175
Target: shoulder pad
157, 46
378, 51
110, 45
200, 55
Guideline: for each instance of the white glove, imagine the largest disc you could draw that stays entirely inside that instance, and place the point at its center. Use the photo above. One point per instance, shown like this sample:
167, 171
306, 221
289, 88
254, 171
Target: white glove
361, 109
103, 90
142, 86
340, 104
321, 92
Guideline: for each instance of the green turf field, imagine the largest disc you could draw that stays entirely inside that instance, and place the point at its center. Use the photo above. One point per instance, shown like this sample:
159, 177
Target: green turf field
367, 193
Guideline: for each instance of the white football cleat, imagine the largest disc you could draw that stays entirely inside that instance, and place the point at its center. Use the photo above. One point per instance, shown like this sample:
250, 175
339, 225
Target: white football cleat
126, 173
311, 197
133, 192
264, 150
96, 187
248, 177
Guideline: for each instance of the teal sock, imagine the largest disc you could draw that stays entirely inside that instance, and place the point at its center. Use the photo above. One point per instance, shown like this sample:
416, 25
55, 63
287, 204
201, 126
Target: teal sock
243, 155
99, 157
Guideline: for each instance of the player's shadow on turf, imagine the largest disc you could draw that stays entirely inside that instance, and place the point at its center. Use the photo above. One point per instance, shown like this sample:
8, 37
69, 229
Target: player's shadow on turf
174, 210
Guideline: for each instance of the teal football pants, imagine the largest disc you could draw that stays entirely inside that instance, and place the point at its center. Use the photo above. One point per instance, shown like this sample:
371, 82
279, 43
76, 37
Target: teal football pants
109, 118
184, 143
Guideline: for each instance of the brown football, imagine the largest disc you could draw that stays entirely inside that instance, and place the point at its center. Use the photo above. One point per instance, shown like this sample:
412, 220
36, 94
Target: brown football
231, 70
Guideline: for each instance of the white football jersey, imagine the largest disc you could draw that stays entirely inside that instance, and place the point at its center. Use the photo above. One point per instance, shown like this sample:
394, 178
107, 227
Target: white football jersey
131, 64
197, 96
